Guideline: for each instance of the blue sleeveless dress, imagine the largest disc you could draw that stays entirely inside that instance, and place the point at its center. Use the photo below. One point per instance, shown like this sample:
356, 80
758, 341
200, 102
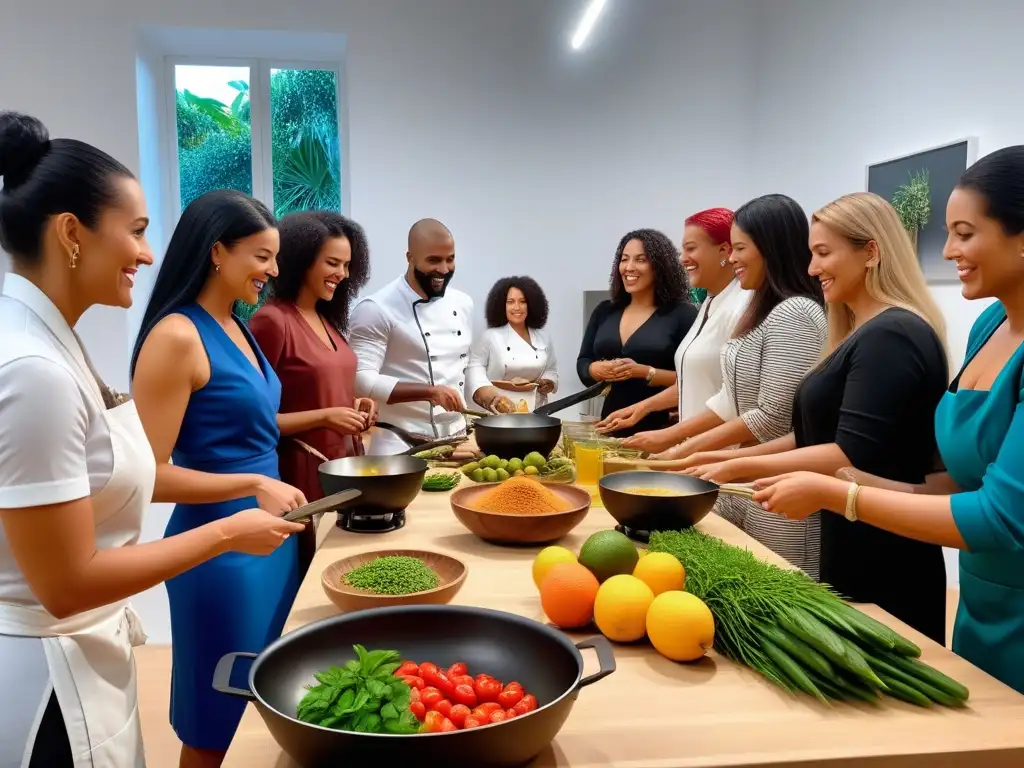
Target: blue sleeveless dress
235, 602
981, 439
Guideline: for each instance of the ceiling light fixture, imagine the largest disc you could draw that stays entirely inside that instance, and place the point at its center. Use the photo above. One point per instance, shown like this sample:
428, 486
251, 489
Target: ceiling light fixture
587, 22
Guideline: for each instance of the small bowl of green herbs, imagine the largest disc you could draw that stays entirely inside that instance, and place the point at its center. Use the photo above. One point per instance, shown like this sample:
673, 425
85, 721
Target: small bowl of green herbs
393, 577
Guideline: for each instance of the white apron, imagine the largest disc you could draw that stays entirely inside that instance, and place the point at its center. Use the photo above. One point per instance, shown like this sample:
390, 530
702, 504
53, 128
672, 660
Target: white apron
89, 655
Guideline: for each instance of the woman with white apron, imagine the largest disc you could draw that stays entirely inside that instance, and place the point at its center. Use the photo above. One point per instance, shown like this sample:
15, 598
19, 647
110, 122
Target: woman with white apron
76, 470
512, 367
705, 257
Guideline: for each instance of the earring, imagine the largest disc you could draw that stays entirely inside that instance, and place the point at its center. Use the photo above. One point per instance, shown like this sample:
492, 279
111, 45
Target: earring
723, 262
73, 258
216, 268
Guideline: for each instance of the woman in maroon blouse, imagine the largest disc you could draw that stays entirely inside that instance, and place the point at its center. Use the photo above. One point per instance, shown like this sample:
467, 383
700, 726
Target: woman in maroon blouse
323, 262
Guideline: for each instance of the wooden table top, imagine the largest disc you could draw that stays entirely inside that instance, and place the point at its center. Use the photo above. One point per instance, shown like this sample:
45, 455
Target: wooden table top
658, 714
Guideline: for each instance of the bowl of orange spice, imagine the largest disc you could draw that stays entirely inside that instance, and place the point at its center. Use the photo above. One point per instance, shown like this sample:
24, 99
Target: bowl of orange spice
520, 510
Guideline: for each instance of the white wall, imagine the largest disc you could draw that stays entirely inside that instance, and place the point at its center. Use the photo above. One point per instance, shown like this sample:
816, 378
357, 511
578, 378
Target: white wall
841, 85
477, 113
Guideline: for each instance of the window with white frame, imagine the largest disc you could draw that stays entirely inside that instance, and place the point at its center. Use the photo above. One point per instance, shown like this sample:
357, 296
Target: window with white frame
265, 128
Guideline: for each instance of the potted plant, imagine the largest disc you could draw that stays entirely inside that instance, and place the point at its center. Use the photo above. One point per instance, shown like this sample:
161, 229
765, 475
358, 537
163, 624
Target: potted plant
912, 202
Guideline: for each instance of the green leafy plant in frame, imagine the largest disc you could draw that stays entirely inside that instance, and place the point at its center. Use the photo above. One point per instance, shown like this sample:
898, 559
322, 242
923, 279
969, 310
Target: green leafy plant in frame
912, 202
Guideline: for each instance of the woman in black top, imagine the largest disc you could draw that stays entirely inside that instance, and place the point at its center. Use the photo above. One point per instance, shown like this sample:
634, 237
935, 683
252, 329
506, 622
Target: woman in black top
870, 404
631, 338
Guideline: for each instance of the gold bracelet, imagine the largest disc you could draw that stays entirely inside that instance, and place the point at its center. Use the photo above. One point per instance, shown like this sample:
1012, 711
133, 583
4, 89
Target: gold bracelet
851, 502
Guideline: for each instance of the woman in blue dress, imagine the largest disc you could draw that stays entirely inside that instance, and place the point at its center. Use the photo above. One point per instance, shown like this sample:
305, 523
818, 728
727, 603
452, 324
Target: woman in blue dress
208, 401
977, 504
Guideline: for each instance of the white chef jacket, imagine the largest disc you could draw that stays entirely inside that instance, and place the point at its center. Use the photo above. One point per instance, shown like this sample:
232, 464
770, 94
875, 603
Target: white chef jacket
501, 354
698, 356
399, 337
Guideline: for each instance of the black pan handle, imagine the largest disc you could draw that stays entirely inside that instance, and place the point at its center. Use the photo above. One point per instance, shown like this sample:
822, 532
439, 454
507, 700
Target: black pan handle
561, 404
222, 675
605, 658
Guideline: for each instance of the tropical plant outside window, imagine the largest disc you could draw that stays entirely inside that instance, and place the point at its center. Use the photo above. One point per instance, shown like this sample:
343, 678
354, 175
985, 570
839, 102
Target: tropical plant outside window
215, 139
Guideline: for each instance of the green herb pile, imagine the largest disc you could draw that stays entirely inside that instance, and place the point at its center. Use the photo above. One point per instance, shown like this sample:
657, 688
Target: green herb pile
441, 481
798, 633
363, 696
393, 575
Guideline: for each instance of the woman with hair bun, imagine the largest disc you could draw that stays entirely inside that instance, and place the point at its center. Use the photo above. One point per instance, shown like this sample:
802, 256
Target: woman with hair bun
705, 258
77, 472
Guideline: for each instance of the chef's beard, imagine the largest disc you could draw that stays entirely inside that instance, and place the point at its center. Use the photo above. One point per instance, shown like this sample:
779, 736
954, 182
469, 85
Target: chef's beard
425, 281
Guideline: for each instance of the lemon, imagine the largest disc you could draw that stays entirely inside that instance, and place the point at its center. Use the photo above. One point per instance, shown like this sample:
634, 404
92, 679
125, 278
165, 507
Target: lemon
680, 626
661, 572
620, 609
547, 558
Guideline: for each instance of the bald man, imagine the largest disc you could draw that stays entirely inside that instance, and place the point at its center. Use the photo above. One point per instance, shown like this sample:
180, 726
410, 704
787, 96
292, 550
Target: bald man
412, 341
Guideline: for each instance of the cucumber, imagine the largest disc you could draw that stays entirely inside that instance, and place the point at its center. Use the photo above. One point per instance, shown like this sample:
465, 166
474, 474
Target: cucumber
928, 675
866, 624
835, 614
791, 669
800, 623
855, 688
829, 687
898, 690
858, 665
883, 667
798, 649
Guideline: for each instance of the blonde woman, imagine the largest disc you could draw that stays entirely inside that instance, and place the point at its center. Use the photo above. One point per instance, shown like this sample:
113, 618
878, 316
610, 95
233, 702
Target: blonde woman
870, 404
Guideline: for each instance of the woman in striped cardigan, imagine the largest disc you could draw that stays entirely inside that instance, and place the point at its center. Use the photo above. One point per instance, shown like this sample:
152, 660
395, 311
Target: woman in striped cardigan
777, 341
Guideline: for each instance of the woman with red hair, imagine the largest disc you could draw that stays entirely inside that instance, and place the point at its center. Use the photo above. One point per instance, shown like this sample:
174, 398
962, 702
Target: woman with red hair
705, 257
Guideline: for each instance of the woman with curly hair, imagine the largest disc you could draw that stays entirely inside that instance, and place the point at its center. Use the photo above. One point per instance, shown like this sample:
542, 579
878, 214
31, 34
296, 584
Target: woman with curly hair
514, 361
324, 261
631, 337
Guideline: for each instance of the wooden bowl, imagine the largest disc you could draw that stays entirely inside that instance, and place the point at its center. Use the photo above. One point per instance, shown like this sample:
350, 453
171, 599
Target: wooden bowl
520, 529
451, 570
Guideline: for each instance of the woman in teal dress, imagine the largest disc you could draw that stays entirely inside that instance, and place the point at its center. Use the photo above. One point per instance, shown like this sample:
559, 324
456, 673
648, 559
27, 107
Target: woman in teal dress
977, 504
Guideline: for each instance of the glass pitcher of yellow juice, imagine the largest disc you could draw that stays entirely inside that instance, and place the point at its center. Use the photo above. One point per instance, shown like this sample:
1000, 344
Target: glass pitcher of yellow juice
589, 459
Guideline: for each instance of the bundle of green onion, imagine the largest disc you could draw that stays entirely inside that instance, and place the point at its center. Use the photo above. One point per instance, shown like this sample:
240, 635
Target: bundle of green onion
798, 633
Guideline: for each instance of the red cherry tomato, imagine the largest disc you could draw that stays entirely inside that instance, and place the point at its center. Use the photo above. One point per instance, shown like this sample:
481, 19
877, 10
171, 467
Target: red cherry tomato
430, 697
414, 682
433, 676
510, 713
459, 714
447, 726
511, 696
457, 669
514, 684
462, 680
408, 668
499, 716
483, 711
414, 694
443, 706
482, 676
527, 704
432, 722
471, 722
464, 694
487, 690
418, 709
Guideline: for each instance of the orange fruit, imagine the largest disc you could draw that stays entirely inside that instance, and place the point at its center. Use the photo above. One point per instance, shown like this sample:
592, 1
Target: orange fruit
567, 595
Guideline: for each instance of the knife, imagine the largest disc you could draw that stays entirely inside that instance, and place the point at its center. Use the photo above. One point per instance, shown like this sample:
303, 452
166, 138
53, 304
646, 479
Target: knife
330, 503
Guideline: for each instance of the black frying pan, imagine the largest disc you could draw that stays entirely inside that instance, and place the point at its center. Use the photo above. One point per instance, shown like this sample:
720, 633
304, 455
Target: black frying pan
509, 647
513, 435
661, 513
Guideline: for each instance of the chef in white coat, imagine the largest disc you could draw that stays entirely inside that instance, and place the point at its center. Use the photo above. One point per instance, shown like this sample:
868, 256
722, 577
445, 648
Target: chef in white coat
512, 366
76, 470
412, 340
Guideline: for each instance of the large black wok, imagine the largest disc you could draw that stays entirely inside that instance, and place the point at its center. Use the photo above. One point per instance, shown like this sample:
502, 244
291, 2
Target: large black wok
504, 645
387, 483
661, 513
513, 435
